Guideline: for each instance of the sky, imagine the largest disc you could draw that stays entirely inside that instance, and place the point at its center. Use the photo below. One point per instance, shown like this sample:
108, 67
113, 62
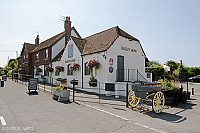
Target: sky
167, 29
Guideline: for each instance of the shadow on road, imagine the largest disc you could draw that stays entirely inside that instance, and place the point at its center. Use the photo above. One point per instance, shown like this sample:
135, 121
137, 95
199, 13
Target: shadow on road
31, 93
169, 117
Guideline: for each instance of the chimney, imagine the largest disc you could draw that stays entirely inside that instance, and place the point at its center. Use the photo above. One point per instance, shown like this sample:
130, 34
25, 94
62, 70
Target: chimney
67, 27
37, 40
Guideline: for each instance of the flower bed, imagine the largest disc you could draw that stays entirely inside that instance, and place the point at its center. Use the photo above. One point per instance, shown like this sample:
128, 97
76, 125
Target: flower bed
61, 93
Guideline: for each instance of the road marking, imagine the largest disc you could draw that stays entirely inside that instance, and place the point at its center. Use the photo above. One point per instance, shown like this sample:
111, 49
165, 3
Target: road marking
144, 126
3, 122
104, 111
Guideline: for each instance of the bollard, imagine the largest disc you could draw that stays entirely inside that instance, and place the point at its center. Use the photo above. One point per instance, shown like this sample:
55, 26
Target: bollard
99, 93
73, 91
192, 90
127, 95
2, 83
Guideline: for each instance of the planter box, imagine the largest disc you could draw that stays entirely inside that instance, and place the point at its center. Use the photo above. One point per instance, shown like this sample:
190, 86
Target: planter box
94, 84
61, 95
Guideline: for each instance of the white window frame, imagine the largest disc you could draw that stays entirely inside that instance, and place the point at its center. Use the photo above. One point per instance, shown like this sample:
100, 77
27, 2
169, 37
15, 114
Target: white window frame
70, 45
36, 56
46, 54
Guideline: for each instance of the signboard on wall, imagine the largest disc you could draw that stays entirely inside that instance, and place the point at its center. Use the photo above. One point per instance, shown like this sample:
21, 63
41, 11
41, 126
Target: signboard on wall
111, 61
128, 49
68, 61
109, 87
110, 69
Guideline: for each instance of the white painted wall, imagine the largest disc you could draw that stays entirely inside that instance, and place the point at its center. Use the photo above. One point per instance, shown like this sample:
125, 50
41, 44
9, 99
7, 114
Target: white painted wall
76, 56
132, 60
58, 47
73, 33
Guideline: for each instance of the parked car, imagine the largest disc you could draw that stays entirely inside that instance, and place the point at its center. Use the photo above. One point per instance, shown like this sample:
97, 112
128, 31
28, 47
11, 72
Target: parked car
195, 78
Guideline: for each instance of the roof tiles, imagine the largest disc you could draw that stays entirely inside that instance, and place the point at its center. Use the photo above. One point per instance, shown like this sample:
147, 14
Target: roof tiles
48, 42
103, 40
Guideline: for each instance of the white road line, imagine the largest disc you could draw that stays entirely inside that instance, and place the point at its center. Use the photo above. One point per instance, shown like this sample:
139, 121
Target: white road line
144, 126
3, 122
104, 111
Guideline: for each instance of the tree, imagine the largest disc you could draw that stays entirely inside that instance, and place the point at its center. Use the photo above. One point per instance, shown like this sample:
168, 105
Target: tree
154, 63
12, 64
173, 66
156, 69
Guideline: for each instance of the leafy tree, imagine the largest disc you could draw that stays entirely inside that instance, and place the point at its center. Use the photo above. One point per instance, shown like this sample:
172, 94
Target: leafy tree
192, 71
12, 64
146, 62
173, 66
154, 63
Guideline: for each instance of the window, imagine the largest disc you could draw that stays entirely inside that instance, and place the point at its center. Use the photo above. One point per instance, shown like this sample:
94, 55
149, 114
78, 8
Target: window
36, 56
70, 50
23, 58
20, 61
87, 71
57, 73
26, 57
69, 72
46, 54
148, 75
46, 73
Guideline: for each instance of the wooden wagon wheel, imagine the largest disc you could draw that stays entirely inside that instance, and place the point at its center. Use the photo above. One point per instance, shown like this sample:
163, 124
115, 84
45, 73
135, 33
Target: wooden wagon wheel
158, 102
133, 101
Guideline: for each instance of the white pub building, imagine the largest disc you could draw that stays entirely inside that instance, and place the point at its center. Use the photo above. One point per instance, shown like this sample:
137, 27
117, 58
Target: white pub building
111, 57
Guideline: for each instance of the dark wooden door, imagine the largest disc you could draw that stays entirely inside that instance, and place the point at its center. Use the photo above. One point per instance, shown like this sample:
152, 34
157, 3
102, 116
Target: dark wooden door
120, 68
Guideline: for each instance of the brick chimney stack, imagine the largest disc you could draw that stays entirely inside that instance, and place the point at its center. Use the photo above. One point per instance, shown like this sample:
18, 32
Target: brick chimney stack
67, 27
37, 40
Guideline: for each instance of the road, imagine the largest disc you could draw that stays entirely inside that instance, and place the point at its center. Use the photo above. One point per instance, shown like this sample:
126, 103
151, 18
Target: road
20, 112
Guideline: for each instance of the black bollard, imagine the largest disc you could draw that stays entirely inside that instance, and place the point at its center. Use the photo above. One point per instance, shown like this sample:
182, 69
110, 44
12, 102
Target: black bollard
192, 90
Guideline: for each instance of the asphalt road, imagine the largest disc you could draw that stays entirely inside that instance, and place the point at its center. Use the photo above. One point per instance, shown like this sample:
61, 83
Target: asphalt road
20, 112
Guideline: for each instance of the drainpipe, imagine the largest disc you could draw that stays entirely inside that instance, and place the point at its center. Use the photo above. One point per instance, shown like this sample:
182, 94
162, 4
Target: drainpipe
82, 72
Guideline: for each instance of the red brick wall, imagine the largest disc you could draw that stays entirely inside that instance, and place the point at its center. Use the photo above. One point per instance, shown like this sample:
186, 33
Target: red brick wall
19, 62
41, 60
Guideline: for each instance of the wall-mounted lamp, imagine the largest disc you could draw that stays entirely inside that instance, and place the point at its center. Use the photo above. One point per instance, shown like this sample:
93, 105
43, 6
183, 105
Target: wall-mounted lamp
104, 55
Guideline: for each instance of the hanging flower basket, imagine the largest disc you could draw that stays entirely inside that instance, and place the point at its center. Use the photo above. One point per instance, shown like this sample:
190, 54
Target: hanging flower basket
62, 80
49, 69
74, 81
93, 63
59, 68
74, 66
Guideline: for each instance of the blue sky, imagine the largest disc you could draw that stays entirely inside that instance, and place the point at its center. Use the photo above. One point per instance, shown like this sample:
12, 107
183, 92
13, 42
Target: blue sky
167, 30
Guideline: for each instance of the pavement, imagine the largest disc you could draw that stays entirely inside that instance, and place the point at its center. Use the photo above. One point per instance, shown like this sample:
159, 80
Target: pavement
20, 112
